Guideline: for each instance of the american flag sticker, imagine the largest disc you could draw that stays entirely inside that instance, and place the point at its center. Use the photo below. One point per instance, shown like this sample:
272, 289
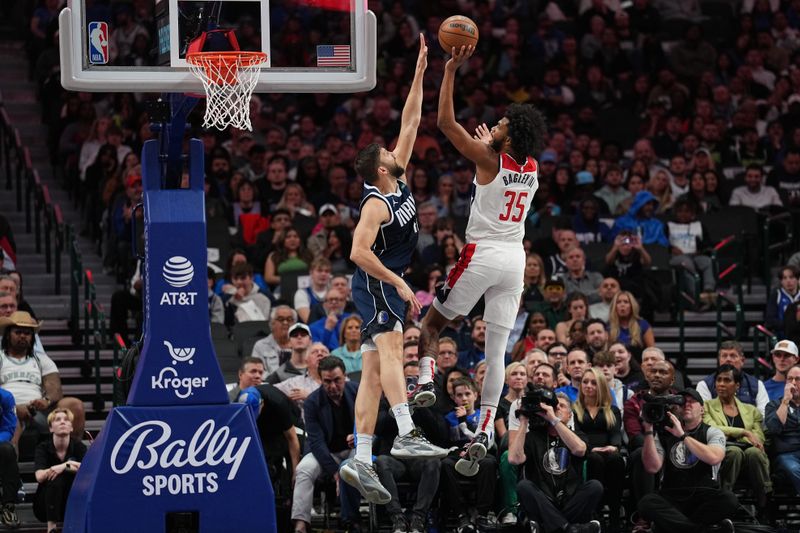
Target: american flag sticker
333, 55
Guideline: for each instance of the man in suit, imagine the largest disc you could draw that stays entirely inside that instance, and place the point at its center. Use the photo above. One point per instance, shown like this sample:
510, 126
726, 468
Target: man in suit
752, 389
329, 413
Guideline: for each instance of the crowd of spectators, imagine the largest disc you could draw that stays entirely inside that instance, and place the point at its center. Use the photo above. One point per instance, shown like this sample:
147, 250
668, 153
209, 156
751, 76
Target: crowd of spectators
658, 118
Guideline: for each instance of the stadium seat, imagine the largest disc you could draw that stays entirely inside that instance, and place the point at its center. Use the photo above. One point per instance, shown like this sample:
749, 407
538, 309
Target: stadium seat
246, 331
228, 358
219, 331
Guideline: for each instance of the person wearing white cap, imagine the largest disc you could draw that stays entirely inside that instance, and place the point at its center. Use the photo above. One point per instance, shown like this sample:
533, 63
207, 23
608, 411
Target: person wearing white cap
784, 357
296, 365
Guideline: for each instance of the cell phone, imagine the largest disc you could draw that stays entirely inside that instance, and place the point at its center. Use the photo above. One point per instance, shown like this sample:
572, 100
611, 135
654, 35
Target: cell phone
626, 240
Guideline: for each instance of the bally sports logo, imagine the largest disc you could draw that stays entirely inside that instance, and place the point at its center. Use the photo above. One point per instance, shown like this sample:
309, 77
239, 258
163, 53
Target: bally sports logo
178, 272
149, 446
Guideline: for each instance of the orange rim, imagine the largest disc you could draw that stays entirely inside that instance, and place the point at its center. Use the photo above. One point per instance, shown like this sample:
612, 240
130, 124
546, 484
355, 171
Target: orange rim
226, 58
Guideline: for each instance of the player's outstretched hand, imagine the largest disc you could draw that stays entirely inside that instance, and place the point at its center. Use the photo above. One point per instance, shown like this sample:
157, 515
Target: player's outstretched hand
422, 58
459, 56
408, 296
483, 134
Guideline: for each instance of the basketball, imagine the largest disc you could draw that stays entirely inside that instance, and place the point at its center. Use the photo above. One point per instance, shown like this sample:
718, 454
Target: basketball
457, 31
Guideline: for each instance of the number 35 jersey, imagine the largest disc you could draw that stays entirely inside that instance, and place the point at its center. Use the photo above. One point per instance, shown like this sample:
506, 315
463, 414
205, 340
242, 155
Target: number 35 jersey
499, 209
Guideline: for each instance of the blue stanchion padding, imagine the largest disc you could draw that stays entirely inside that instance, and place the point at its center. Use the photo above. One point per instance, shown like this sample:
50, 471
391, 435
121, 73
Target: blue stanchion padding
150, 461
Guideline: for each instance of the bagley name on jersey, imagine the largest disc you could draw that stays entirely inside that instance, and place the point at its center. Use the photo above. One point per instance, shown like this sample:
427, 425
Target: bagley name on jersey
516, 177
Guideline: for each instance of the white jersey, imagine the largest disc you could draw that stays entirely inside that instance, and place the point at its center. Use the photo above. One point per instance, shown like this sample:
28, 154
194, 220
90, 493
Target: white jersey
23, 377
499, 209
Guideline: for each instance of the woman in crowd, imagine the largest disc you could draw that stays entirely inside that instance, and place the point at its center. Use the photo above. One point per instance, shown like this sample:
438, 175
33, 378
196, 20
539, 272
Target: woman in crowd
535, 323
577, 309
517, 380
289, 256
661, 189
421, 185
625, 325
742, 425
634, 186
294, 200
533, 281
781, 297
449, 253
349, 349
601, 422
445, 195
340, 241
628, 370
57, 460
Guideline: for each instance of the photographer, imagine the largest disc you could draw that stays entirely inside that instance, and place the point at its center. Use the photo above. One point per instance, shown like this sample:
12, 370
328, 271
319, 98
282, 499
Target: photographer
690, 497
553, 492
660, 377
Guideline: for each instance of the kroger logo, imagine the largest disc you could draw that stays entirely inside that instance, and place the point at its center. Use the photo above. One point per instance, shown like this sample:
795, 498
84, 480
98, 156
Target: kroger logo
178, 271
180, 355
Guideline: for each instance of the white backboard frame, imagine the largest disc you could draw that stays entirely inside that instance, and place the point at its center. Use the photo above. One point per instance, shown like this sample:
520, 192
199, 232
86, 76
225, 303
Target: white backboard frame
77, 75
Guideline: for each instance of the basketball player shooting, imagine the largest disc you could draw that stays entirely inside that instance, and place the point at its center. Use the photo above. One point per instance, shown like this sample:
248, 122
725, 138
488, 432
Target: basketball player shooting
383, 243
492, 262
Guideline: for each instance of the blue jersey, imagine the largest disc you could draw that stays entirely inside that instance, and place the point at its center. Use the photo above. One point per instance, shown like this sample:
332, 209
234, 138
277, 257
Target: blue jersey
397, 238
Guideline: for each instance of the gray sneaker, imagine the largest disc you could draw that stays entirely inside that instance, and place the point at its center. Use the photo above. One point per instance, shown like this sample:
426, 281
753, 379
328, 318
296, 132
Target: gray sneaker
364, 478
415, 445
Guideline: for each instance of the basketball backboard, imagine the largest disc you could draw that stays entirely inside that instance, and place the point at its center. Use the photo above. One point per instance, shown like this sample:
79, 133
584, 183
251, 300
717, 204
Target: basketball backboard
140, 45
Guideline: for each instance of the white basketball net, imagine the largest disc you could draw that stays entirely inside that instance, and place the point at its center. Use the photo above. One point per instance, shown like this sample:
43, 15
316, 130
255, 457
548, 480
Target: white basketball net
228, 79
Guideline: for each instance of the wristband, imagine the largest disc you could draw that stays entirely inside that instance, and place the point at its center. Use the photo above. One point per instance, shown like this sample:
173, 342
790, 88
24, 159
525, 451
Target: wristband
554, 422
683, 437
646, 433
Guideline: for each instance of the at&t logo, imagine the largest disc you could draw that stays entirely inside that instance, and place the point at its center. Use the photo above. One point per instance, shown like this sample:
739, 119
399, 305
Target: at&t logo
178, 272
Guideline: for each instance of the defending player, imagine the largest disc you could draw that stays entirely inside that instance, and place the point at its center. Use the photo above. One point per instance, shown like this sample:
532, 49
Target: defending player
383, 242
492, 262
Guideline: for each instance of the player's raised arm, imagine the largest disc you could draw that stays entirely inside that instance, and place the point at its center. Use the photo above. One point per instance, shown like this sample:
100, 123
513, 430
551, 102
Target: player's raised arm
412, 110
476, 150
374, 213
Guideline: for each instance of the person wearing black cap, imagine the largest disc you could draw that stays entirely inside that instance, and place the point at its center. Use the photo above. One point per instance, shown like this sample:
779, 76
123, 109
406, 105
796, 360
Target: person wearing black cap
690, 497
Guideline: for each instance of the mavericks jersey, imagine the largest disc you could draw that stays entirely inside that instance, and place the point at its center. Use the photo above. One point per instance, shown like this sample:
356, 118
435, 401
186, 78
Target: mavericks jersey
499, 209
397, 238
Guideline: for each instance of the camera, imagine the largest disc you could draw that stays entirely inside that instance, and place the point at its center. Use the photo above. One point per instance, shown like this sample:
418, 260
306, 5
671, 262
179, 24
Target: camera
655, 408
529, 405
626, 240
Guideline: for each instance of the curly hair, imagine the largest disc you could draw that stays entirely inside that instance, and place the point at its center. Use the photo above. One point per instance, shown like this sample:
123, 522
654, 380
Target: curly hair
527, 128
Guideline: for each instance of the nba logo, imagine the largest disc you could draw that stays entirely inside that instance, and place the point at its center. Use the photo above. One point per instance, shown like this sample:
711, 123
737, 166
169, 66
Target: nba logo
98, 43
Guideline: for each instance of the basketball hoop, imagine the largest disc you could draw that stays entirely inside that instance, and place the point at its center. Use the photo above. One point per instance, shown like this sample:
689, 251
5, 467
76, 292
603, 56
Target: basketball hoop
228, 79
